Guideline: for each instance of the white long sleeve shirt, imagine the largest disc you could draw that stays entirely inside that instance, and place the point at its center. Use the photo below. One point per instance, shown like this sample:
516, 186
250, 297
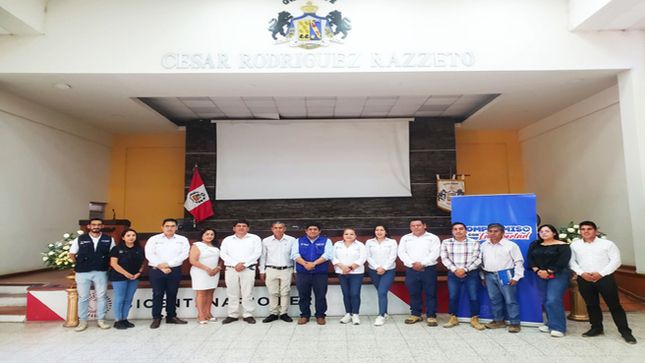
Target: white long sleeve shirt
425, 249
276, 252
381, 254
600, 256
160, 249
246, 250
356, 253
503, 255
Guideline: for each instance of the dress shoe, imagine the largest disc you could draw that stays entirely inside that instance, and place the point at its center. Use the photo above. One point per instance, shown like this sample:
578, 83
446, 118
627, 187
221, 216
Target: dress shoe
175, 320
270, 318
593, 333
320, 321
229, 320
155, 323
127, 323
250, 320
629, 338
303, 321
120, 325
286, 318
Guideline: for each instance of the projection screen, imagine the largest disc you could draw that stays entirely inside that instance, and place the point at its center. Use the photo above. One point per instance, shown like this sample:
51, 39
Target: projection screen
312, 159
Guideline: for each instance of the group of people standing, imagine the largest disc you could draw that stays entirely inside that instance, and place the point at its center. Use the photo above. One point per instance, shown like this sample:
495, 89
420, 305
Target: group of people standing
497, 263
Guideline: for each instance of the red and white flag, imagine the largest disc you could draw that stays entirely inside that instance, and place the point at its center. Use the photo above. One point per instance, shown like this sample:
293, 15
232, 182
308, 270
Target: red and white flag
197, 201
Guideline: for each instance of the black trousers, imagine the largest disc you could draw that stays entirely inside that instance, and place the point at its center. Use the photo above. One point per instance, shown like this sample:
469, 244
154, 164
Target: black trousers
167, 284
606, 287
305, 282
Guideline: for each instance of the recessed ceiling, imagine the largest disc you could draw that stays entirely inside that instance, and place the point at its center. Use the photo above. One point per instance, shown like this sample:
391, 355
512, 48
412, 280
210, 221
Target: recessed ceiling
182, 109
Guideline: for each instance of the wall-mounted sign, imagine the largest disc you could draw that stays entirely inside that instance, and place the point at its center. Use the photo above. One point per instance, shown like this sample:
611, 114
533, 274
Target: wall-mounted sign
309, 30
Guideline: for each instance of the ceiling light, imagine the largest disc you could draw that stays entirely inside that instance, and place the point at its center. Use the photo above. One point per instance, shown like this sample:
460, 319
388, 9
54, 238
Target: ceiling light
63, 86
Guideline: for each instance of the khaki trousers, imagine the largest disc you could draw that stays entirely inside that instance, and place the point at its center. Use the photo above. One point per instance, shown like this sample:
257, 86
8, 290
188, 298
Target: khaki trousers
279, 284
240, 285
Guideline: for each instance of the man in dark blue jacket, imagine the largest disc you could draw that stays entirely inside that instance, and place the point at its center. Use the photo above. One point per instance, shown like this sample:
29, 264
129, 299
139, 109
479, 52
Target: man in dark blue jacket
311, 254
91, 254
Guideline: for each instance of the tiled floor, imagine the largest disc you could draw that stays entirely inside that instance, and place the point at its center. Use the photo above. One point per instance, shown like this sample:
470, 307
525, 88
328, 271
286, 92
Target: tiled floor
334, 342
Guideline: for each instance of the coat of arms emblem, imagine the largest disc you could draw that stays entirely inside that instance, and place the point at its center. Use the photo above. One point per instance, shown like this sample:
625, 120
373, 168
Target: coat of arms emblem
309, 31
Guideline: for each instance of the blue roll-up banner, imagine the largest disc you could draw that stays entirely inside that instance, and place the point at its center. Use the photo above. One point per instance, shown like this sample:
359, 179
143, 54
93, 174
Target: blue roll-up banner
517, 213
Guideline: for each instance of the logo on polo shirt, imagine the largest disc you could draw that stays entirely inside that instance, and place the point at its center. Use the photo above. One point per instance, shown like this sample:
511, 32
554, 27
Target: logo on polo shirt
309, 31
512, 232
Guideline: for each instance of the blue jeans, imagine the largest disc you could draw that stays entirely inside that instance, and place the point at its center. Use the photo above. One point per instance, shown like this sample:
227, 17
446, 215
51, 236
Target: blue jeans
500, 296
550, 292
422, 281
382, 284
305, 282
350, 285
123, 295
456, 284
83, 284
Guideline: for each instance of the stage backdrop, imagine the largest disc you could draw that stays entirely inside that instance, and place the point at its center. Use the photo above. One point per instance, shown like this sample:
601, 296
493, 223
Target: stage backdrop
517, 213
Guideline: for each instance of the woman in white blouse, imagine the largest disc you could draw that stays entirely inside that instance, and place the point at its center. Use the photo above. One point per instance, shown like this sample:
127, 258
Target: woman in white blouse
204, 256
381, 260
349, 263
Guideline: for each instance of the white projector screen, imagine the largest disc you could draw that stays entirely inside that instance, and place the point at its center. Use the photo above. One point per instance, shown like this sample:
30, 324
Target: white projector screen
312, 159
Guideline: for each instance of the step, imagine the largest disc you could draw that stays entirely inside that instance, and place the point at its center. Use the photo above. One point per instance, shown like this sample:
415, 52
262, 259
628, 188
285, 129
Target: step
13, 314
9, 288
13, 299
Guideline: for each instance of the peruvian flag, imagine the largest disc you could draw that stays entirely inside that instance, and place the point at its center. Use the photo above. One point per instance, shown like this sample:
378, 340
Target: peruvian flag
197, 201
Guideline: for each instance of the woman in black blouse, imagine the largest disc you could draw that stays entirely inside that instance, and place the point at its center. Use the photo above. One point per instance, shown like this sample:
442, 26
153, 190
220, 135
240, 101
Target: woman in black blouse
126, 260
549, 258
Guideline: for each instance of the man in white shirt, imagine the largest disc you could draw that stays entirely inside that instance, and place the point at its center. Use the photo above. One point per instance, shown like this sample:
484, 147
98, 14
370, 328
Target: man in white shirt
419, 252
595, 260
276, 270
165, 253
503, 267
91, 255
240, 253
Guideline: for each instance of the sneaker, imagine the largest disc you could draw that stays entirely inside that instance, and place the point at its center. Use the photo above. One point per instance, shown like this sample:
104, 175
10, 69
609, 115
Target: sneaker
128, 323
514, 328
120, 325
544, 329
286, 318
413, 319
82, 325
495, 324
452, 322
432, 322
557, 334
270, 318
593, 333
104, 325
356, 320
379, 321
629, 338
346, 319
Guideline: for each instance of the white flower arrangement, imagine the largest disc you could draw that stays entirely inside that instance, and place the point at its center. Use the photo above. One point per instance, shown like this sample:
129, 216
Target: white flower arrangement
571, 233
57, 253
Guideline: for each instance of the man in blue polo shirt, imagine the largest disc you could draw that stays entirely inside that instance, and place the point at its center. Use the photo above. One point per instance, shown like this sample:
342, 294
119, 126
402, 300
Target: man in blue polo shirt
311, 254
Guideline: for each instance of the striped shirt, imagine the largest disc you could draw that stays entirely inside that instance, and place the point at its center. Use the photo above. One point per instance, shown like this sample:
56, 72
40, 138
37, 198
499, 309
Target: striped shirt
465, 254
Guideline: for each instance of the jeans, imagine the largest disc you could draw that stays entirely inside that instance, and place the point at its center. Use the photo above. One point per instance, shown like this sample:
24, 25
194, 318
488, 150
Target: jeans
350, 285
500, 296
606, 287
455, 286
123, 295
422, 281
83, 283
167, 284
550, 292
305, 282
382, 284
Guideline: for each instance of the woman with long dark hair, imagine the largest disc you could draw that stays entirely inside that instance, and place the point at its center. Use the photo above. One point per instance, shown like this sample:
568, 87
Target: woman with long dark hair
381, 263
126, 260
349, 264
549, 258
204, 273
